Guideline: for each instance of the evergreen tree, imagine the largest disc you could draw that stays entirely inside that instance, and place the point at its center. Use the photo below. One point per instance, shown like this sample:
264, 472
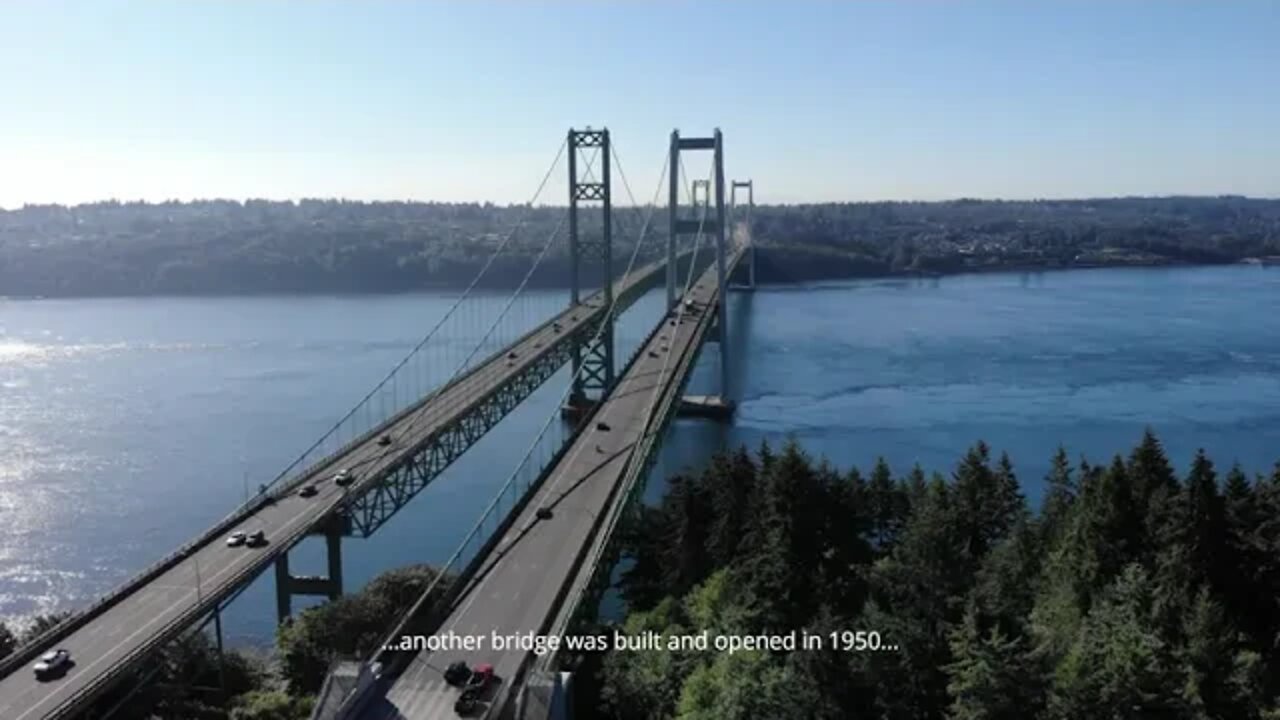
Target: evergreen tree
1210, 661
1243, 599
1191, 540
1060, 494
918, 595
988, 502
845, 524
914, 487
731, 482
888, 507
1119, 667
779, 572
686, 519
8, 641
1153, 487
992, 677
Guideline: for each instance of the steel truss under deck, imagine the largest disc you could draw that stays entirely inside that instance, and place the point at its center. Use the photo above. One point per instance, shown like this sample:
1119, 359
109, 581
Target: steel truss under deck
402, 481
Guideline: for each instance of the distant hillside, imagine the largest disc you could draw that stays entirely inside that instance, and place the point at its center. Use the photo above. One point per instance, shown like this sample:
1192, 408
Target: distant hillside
330, 246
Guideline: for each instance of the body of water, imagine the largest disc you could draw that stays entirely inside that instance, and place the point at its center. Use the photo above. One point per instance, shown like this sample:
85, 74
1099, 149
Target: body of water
127, 425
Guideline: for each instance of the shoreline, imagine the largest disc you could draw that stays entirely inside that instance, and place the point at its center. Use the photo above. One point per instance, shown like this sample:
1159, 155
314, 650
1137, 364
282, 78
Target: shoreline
796, 279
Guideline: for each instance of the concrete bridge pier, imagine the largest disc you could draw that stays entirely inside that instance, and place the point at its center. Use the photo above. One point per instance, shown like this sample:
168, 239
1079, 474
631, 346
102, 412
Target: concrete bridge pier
330, 586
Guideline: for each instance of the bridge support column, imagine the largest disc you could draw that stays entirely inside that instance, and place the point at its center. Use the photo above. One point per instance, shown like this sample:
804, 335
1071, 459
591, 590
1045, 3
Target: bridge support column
734, 222
673, 210
722, 320
593, 360
289, 585
704, 406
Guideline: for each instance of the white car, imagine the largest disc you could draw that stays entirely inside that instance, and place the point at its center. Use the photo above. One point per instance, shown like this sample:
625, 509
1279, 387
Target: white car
236, 538
344, 477
52, 663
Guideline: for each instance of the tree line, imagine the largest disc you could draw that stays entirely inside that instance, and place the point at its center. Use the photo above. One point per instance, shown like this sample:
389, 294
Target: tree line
1132, 592
335, 246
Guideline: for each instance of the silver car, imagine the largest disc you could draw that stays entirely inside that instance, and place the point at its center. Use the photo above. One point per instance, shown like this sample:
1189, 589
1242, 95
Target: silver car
52, 663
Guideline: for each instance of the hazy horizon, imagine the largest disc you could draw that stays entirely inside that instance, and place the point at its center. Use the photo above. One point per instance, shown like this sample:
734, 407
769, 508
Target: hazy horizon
818, 102
429, 201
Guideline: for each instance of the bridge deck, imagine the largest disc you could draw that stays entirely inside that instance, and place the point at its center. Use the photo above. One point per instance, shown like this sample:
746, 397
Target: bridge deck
520, 587
144, 617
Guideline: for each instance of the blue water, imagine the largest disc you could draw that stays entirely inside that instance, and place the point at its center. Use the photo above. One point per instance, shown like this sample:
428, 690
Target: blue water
127, 425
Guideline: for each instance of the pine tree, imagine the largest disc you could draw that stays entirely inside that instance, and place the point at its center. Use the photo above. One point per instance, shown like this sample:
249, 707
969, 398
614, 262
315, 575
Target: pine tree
846, 551
687, 517
782, 551
8, 641
988, 502
991, 677
1243, 599
1153, 488
1060, 494
1191, 540
887, 507
1119, 666
918, 595
731, 483
914, 487
1209, 660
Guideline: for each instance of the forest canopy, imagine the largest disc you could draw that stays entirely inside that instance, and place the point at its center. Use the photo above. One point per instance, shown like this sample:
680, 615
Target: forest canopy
1132, 592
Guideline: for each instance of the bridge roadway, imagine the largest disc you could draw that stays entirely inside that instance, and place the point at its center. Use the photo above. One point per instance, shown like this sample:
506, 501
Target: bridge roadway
145, 617
519, 589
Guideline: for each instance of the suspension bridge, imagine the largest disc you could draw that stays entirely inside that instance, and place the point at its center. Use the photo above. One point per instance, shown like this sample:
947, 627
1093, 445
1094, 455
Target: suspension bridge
539, 556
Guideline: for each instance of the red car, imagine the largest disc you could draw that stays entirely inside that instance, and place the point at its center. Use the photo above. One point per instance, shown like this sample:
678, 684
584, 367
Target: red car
481, 676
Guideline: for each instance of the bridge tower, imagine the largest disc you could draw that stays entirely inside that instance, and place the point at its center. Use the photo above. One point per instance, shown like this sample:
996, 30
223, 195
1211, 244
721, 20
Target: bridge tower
735, 218
593, 368
714, 227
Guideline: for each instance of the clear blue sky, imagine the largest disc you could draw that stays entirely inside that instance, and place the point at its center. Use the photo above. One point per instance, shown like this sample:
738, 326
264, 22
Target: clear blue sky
469, 100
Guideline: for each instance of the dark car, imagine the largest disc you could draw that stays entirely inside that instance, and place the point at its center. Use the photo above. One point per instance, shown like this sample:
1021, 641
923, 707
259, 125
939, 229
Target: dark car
603, 426
52, 664
257, 538
385, 440
467, 702
308, 491
544, 513
457, 673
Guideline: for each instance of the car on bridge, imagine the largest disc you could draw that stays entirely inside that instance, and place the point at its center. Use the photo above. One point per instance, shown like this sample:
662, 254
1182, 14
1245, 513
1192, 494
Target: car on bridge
257, 538
467, 702
457, 673
52, 664
308, 490
385, 440
344, 478
480, 678
237, 538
